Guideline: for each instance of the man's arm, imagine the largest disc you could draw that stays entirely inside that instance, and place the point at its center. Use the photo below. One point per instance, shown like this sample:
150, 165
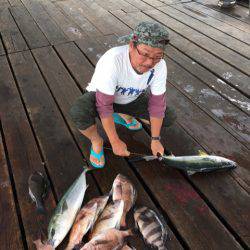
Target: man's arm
156, 124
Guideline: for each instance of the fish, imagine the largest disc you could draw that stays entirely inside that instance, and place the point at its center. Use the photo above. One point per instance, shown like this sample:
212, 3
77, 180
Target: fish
85, 220
151, 227
112, 239
126, 247
193, 164
198, 163
226, 3
38, 187
65, 213
123, 189
109, 218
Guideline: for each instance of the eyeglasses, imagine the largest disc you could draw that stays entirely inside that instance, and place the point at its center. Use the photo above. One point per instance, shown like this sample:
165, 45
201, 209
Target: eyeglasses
146, 56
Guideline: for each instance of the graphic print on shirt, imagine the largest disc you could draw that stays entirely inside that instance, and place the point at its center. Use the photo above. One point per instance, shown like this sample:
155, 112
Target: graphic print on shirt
129, 91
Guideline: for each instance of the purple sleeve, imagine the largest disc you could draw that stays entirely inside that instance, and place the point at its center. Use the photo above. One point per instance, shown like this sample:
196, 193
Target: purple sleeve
157, 105
104, 104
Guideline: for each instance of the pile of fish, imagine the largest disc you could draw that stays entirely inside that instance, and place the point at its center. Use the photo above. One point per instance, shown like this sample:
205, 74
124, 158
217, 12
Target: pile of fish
102, 220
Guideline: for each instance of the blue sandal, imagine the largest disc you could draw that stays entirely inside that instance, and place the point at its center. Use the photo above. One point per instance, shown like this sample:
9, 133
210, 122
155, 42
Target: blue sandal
98, 156
119, 120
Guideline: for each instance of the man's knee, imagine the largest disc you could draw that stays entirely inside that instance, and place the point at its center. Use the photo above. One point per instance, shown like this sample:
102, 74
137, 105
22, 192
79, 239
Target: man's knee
83, 111
170, 117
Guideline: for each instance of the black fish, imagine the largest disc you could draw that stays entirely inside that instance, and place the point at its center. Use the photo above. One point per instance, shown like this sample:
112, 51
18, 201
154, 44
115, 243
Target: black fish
152, 227
38, 187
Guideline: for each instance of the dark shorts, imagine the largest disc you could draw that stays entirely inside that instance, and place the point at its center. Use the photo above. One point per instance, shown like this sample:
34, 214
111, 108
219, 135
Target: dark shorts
84, 112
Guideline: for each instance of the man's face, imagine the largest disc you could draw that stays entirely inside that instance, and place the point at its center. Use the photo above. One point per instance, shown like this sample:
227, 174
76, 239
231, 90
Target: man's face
143, 57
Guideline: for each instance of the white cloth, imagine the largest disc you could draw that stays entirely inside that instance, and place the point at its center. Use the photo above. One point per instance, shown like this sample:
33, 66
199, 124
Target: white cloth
114, 75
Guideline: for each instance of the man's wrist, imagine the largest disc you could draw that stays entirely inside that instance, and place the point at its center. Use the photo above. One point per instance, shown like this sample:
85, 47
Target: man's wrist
155, 138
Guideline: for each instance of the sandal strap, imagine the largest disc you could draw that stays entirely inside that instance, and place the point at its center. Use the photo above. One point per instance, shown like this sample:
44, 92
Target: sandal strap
97, 155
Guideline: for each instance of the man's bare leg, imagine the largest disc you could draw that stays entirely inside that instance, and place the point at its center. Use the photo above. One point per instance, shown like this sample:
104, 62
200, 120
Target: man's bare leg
96, 141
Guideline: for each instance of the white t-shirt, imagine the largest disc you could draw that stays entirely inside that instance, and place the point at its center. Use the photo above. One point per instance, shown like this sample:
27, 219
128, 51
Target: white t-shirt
114, 75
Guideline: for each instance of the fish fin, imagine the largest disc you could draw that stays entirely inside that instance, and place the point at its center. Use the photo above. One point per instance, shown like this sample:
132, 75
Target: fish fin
202, 153
64, 207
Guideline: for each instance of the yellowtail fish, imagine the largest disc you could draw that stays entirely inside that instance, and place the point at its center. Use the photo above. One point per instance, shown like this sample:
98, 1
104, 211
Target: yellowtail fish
64, 214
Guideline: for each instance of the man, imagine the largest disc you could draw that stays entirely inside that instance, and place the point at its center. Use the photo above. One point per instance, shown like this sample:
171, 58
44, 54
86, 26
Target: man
129, 81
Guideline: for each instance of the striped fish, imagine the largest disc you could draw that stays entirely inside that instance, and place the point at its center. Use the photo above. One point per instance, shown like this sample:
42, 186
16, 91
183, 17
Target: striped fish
151, 227
110, 218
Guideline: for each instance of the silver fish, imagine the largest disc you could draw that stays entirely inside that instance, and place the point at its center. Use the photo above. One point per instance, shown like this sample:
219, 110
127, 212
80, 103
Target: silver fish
151, 227
85, 220
199, 163
38, 187
110, 218
123, 189
226, 3
112, 239
65, 213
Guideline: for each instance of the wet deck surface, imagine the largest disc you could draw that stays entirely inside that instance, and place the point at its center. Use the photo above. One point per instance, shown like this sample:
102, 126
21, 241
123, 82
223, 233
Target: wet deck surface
48, 50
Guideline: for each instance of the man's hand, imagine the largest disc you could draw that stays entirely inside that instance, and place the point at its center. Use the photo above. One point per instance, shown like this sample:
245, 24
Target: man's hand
120, 148
157, 147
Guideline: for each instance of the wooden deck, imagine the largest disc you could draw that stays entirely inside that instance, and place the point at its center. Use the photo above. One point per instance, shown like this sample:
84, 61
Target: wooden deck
48, 50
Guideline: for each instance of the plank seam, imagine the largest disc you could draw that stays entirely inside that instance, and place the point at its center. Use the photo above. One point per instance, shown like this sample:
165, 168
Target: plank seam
159, 207
61, 113
197, 44
14, 192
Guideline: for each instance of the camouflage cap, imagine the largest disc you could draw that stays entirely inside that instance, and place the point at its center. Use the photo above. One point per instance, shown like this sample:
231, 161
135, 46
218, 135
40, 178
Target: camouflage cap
149, 33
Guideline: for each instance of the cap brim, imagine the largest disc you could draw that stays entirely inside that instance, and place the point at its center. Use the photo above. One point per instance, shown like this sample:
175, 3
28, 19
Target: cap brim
124, 39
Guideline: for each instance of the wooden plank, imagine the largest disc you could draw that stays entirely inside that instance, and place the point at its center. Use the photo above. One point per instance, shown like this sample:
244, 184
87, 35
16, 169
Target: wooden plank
210, 79
218, 50
15, 2
11, 36
33, 35
10, 235
227, 198
71, 29
222, 38
238, 12
201, 14
154, 3
115, 5
138, 141
2, 52
4, 4
102, 19
71, 10
50, 128
140, 4
23, 153
227, 115
220, 16
65, 96
52, 32
229, 74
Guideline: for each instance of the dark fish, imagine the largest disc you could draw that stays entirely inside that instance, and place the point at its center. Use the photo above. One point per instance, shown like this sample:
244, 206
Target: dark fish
123, 189
38, 187
112, 239
226, 3
153, 229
